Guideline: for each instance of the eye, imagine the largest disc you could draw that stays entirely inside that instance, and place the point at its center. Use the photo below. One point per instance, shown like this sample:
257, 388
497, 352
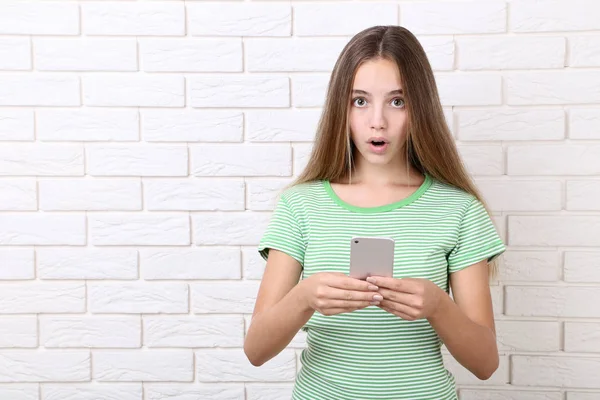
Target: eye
359, 101
398, 102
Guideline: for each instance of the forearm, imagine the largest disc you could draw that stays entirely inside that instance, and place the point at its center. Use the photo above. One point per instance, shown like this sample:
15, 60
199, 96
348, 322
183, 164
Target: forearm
273, 329
472, 345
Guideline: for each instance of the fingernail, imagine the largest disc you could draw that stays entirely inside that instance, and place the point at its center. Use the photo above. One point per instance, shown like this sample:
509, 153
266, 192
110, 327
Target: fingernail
372, 287
378, 297
374, 303
371, 280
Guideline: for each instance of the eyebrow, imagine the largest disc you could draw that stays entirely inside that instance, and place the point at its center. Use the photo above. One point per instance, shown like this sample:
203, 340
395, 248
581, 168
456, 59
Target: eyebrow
359, 91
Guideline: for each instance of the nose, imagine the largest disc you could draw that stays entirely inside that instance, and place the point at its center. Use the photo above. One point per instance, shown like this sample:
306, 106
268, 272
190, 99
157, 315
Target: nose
377, 118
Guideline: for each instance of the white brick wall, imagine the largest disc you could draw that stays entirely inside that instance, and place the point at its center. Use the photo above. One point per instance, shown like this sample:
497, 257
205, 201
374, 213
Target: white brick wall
142, 144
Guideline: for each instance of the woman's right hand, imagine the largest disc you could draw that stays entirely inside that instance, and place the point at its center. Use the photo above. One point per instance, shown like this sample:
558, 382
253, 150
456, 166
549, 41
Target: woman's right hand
332, 293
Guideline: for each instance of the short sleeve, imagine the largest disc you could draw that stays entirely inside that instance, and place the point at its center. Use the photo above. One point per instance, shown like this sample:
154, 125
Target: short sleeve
283, 233
478, 239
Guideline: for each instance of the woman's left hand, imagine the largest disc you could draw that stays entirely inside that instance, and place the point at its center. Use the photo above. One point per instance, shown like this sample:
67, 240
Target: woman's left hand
408, 298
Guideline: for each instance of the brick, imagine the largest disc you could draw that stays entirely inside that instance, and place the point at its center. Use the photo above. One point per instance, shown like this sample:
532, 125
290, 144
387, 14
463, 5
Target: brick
222, 365
87, 125
515, 52
309, 90
582, 337
18, 195
282, 125
234, 297
239, 91
90, 194
269, 392
314, 19
85, 54
584, 123
552, 301
535, 195
554, 15
39, 90
197, 331
229, 228
497, 294
133, 90
454, 17
139, 229
137, 160
122, 391
18, 332
501, 124
15, 53
192, 126
541, 159
182, 391
35, 159
148, 366
135, 19
301, 154
194, 195
500, 224
483, 160
44, 366
191, 263
16, 124
193, 55
263, 194
440, 51
292, 55
583, 195
42, 297
86, 263
530, 266
253, 265
528, 335
42, 229
469, 89
17, 264
581, 396
241, 160
583, 51
555, 371
90, 331
551, 87
138, 297
474, 394
39, 18
14, 391
554, 230
582, 266
254, 19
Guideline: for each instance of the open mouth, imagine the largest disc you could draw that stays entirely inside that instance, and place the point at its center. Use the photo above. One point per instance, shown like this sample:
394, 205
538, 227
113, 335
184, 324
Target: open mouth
378, 141
378, 144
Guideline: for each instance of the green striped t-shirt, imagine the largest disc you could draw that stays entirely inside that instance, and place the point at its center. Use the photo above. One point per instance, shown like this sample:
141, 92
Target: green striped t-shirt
369, 353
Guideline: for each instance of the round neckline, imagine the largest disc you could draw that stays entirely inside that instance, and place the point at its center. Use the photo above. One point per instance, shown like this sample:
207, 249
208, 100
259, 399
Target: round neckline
386, 207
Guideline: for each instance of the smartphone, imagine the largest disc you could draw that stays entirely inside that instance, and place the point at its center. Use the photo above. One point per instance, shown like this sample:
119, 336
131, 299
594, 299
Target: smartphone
371, 256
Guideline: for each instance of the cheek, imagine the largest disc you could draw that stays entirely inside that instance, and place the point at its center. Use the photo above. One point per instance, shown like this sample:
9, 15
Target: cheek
400, 125
355, 124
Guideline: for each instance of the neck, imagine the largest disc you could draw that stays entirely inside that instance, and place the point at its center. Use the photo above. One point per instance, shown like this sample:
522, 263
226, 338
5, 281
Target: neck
397, 173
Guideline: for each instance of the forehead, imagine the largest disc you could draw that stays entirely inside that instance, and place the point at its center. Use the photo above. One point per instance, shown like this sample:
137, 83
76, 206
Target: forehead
377, 76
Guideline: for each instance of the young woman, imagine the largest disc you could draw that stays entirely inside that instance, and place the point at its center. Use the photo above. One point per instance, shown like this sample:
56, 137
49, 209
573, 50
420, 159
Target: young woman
384, 164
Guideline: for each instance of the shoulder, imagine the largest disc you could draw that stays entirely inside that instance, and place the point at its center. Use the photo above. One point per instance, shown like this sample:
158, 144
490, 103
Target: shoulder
299, 195
450, 196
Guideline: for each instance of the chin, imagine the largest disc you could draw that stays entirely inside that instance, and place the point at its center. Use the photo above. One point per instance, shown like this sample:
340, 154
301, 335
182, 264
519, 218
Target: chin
378, 160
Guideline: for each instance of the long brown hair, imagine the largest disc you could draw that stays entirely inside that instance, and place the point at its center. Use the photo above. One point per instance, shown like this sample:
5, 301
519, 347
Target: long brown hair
430, 145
